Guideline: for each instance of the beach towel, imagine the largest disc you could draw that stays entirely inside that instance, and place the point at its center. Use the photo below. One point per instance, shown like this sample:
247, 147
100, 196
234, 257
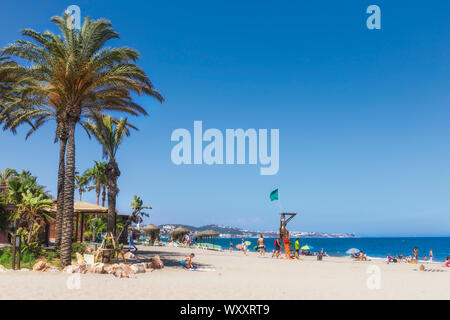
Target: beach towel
204, 269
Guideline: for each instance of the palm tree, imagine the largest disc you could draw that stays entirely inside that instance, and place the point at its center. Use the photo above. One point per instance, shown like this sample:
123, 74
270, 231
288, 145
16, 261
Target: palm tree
6, 175
81, 183
110, 135
78, 76
137, 214
97, 175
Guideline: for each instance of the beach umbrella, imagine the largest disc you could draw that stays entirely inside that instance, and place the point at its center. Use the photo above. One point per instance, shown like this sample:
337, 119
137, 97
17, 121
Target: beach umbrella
306, 247
352, 251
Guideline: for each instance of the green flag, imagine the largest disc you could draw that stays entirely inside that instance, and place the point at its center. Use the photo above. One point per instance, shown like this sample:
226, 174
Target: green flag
274, 195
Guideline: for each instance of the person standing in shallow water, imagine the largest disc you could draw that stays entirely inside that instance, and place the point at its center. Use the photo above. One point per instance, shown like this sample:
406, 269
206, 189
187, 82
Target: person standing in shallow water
416, 254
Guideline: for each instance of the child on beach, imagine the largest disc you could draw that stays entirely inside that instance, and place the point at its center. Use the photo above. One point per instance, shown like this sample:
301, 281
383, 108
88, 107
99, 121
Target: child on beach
187, 262
431, 256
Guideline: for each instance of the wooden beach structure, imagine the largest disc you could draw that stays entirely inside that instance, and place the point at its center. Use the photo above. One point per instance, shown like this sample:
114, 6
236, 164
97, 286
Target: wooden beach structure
179, 233
284, 221
82, 210
152, 232
207, 236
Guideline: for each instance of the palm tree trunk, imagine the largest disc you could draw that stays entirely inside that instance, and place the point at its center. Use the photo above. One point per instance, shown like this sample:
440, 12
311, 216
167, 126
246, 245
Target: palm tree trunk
103, 195
97, 191
112, 173
69, 188
60, 196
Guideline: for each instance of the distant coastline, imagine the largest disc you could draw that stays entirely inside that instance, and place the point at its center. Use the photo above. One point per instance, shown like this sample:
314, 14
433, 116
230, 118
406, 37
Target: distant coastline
233, 232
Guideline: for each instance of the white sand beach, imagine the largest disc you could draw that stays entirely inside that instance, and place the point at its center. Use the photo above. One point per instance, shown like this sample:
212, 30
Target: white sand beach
238, 277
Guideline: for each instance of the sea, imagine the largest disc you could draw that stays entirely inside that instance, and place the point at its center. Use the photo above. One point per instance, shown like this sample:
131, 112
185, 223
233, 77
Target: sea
373, 247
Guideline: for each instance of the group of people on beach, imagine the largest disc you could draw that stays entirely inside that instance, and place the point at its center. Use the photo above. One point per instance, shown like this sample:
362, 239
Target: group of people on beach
414, 258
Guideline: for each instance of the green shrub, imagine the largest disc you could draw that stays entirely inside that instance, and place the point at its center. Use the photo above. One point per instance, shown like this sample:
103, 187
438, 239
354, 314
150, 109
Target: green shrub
79, 247
27, 259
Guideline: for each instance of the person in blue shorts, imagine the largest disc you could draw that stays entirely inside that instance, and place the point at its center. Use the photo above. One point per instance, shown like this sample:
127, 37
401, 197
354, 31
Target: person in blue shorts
131, 240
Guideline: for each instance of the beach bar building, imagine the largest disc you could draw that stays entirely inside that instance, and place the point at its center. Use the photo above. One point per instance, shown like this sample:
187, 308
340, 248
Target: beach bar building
207, 236
82, 210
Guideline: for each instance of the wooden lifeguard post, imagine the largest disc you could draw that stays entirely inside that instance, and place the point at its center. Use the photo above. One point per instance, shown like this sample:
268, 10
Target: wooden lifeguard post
284, 221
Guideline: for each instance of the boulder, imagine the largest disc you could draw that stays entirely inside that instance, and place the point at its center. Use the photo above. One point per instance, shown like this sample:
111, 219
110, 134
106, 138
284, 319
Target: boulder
3, 269
72, 269
40, 266
138, 268
156, 263
97, 268
24, 269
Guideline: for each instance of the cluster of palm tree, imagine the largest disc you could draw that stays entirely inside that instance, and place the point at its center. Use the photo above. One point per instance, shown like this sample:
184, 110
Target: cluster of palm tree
30, 199
71, 79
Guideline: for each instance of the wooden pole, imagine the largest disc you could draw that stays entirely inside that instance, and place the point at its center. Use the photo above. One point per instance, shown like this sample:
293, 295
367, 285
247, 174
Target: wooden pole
76, 227
82, 228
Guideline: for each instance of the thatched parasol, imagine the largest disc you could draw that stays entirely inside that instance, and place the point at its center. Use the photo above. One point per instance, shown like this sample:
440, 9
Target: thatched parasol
151, 228
179, 231
206, 233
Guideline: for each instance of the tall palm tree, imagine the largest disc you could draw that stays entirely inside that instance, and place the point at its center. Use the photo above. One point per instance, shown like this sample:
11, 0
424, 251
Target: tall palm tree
110, 135
78, 75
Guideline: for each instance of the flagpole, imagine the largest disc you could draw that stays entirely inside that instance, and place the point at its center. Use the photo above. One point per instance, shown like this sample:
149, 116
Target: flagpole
279, 200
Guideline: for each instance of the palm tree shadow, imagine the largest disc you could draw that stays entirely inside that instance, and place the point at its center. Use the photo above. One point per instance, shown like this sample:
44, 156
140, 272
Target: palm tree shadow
170, 259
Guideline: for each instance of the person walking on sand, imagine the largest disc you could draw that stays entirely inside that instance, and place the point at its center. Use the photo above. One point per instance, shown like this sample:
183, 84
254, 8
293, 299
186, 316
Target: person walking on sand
277, 245
261, 246
431, 256
244, 246
131, 240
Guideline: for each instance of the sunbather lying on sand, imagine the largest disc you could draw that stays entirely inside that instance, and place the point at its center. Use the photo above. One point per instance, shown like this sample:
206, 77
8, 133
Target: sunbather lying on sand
120, 273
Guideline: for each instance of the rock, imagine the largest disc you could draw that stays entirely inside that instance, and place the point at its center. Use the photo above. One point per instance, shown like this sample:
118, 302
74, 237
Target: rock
138, 268
72, 269
97, 268
24, 269
3, 269
156, 263
129, 255
39, 266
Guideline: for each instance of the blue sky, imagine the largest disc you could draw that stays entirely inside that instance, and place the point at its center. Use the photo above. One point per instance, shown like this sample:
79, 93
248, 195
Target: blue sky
363, 114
